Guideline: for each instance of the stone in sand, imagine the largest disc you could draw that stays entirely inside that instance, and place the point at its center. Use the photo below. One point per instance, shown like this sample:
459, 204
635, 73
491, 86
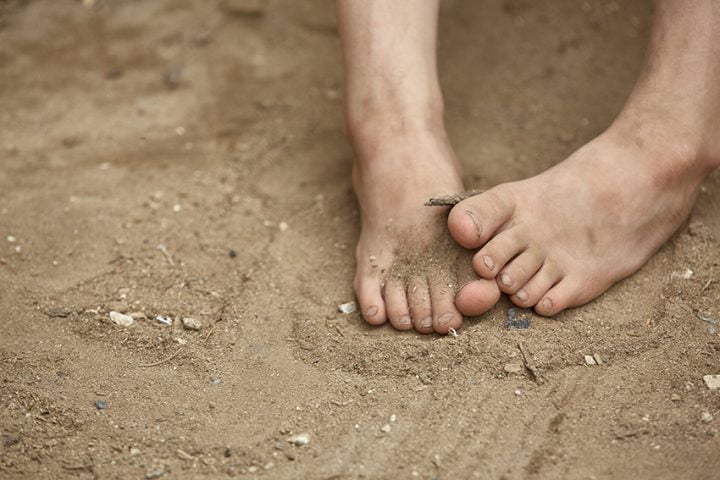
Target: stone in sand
712, 381
121, 319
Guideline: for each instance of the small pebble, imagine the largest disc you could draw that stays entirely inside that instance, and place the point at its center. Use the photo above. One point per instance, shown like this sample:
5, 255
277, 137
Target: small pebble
348, 308
252, 469
283, 226
393, 418
11, 239
183, 455
11, 439
299, 439
675, 397
518, 392
590, 360
513, 367
134, 451
137, 315
191, 323
232, 254
100, 404
156, 473
216, 380
712, 381
706, 417
121, 319
386, 428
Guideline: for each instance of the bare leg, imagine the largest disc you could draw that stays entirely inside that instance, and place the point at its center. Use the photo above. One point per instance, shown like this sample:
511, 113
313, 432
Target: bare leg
394, 115
562, 238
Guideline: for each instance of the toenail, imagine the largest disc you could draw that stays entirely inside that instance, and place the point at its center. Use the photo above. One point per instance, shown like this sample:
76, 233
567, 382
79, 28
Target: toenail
445, 319
505, 279
521, 295
426, 322
488, 262
476, 222
547, 304
405, 320
371, 311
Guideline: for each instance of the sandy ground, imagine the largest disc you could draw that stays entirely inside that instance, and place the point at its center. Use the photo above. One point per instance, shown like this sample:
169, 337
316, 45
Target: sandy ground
202, 127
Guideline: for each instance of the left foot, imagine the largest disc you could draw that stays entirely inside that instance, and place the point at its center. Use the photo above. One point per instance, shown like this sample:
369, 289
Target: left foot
562, 238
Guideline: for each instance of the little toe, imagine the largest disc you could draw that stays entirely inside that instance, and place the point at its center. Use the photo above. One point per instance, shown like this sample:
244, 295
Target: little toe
445, 314
396, 305
368, 291
519, 271
530, 293
477, 297
493, 257
473, 221
418, 295
566, 294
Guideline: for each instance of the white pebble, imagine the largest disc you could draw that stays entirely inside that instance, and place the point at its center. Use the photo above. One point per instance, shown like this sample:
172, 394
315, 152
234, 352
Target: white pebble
590, 360
386, 428
712, 381
393, 418
121, 319
191, 323
300, 439
706, 417
11, 239
348, 308
283, 226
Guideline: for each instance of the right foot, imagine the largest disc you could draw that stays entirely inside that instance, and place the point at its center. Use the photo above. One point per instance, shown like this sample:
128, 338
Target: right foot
406, 262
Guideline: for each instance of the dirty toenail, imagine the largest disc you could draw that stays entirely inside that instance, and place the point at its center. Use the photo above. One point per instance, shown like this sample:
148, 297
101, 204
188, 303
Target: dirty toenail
547, 304
405, 320
505, 279
445, 319
371, 311
521, 295
488, 262
426, 322
475, 220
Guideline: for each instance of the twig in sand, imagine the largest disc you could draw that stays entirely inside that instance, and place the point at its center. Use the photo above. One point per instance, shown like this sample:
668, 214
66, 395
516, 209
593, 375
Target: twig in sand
534, 371
450, 200
160, 362
212, 329
165, 252
707, 284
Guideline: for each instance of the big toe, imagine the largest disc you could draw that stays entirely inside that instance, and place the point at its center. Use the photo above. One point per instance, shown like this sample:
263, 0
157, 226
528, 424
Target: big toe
477, 297
369, 294
473, 221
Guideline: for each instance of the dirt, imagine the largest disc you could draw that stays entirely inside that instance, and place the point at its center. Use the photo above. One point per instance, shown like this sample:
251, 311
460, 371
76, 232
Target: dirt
202, 127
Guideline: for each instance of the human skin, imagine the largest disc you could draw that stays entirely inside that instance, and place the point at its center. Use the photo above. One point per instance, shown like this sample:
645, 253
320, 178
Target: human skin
553, 241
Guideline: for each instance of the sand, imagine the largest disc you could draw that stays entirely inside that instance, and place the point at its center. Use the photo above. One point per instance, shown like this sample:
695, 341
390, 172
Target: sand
211, 127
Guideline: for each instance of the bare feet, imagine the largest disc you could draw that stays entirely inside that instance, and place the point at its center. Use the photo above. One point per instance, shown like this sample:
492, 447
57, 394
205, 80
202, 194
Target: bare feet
562, 238
406, 262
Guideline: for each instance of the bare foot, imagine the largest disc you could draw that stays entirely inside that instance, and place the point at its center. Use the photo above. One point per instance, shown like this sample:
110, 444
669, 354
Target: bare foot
406, 262
562, 238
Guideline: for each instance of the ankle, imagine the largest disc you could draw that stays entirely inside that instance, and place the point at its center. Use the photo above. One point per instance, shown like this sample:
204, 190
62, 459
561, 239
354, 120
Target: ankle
384, 135
377, 117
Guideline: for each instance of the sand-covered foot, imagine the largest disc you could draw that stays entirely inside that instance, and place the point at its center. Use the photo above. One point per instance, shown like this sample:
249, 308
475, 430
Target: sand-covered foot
560, 239
407, 265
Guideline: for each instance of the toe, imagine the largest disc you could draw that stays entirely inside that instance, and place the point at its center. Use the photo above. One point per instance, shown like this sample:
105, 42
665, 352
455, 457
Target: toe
473, 222
477, 297
530, 293
493, 257
418, 295
520, 270
369, 294
396, 305
566, 294
445, 314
